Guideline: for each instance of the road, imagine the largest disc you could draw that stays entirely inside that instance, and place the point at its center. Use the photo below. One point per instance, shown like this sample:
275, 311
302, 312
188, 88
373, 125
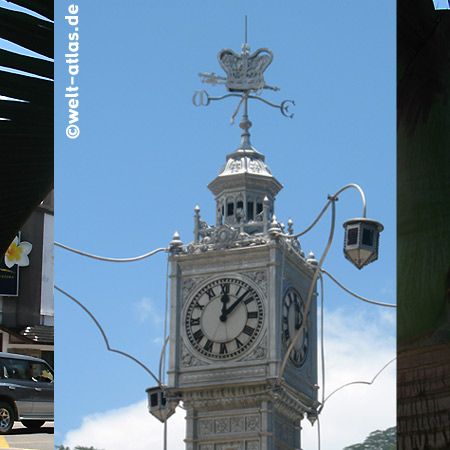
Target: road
24, 439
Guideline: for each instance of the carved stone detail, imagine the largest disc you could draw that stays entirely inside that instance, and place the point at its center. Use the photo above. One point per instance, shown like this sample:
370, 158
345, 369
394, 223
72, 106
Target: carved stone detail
292, 408
255, 166
224, 237
259, 352
205, 427
188, 359
252, 423
211, 376
260, 278
237, 424
227, 398
206, 446
222, 425
238, 445
188, 286
252, 445
235, 166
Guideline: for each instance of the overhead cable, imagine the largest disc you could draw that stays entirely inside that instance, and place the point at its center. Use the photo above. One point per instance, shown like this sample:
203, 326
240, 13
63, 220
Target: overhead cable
102, 258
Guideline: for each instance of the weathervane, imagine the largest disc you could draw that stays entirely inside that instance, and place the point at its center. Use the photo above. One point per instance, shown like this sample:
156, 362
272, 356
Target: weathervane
244, 78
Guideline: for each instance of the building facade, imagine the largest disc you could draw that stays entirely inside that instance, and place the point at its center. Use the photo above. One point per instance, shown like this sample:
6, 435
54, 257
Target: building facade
27, 315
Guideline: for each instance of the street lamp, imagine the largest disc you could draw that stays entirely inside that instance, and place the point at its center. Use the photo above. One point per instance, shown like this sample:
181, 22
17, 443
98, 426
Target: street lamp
361, 241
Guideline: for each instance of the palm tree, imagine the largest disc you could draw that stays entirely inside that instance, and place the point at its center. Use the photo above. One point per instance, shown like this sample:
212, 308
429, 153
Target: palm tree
26, 125
423, 226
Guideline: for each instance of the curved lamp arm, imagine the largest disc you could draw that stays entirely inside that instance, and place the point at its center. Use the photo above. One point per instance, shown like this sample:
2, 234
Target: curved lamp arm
106, 339
331, 198
310, 292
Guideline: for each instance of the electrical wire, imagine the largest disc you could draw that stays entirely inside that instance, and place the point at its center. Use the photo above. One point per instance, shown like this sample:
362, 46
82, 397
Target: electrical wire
106, 339
102, 258
356, 295
163, 353
331, 198
322, 344
162, 376
310, 292
358, 382
319, 443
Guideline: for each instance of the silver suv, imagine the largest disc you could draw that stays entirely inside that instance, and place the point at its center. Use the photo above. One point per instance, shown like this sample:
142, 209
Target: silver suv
26, 391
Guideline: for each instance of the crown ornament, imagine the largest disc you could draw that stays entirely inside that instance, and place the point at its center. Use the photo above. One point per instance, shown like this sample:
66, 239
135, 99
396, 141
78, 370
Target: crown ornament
245, 79
245, 71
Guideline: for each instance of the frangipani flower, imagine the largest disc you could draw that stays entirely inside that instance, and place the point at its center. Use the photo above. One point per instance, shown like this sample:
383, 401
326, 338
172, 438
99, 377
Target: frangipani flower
18, 253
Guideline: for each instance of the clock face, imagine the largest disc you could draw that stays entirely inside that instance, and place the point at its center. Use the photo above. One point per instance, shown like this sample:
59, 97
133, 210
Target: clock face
224, 318
293, 317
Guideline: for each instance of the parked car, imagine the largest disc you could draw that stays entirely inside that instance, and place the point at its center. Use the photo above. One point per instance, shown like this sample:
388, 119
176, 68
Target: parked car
26, 391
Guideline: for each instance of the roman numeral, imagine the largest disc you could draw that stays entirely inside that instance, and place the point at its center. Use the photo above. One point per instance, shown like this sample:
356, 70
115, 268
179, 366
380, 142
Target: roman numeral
249, 300
210, 293
208, 346
248, 330
195, 321
285, 319
252, 315
201, 307
198, 335
225, 288
223, 349
237, 292
238, 343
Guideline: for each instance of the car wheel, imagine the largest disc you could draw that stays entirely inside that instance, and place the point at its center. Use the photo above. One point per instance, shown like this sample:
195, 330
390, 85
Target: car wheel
33, 424
6, 417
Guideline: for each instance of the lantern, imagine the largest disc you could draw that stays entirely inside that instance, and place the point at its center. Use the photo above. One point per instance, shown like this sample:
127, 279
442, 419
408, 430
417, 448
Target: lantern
361, 241
157, 404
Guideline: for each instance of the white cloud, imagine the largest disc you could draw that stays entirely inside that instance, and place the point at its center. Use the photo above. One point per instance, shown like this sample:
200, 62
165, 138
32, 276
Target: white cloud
145, 309
356, 348
132, 427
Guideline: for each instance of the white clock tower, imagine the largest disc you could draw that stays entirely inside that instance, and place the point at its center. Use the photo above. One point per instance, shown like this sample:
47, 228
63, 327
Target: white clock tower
238, 298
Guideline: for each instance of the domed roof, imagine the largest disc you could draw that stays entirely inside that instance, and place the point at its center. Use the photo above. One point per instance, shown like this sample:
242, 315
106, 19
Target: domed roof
245, 167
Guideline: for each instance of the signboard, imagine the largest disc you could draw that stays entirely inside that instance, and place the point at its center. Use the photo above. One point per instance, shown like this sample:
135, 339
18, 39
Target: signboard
9, 280
15, 256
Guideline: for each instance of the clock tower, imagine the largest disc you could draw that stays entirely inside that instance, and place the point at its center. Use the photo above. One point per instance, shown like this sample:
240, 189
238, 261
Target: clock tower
238, 298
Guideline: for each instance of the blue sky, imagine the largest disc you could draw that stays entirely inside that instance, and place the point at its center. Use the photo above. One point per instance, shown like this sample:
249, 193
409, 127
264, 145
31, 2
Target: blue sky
145, 155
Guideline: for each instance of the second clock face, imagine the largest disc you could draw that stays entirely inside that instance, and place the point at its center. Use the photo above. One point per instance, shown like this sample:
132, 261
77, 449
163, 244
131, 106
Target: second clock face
293, 318
224, 318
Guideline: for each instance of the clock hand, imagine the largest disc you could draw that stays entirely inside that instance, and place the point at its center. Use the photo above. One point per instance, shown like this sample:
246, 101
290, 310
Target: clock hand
298, 318
224, 299
225, 313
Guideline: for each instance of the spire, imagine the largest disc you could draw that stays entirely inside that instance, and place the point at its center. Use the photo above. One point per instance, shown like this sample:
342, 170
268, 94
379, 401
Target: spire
244, 181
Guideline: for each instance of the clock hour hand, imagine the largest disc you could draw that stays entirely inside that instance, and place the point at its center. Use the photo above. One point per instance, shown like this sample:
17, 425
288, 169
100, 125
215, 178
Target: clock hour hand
225, 312
224, 299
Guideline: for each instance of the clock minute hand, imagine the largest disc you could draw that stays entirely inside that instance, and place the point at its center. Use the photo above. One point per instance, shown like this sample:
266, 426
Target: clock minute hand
225, 313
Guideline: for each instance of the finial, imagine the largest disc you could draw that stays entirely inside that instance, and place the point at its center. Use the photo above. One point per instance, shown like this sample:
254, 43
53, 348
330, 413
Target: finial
197, 209
312, 259
246, 28
245, 80
290, 226
274, 227
176, 243
245, 47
